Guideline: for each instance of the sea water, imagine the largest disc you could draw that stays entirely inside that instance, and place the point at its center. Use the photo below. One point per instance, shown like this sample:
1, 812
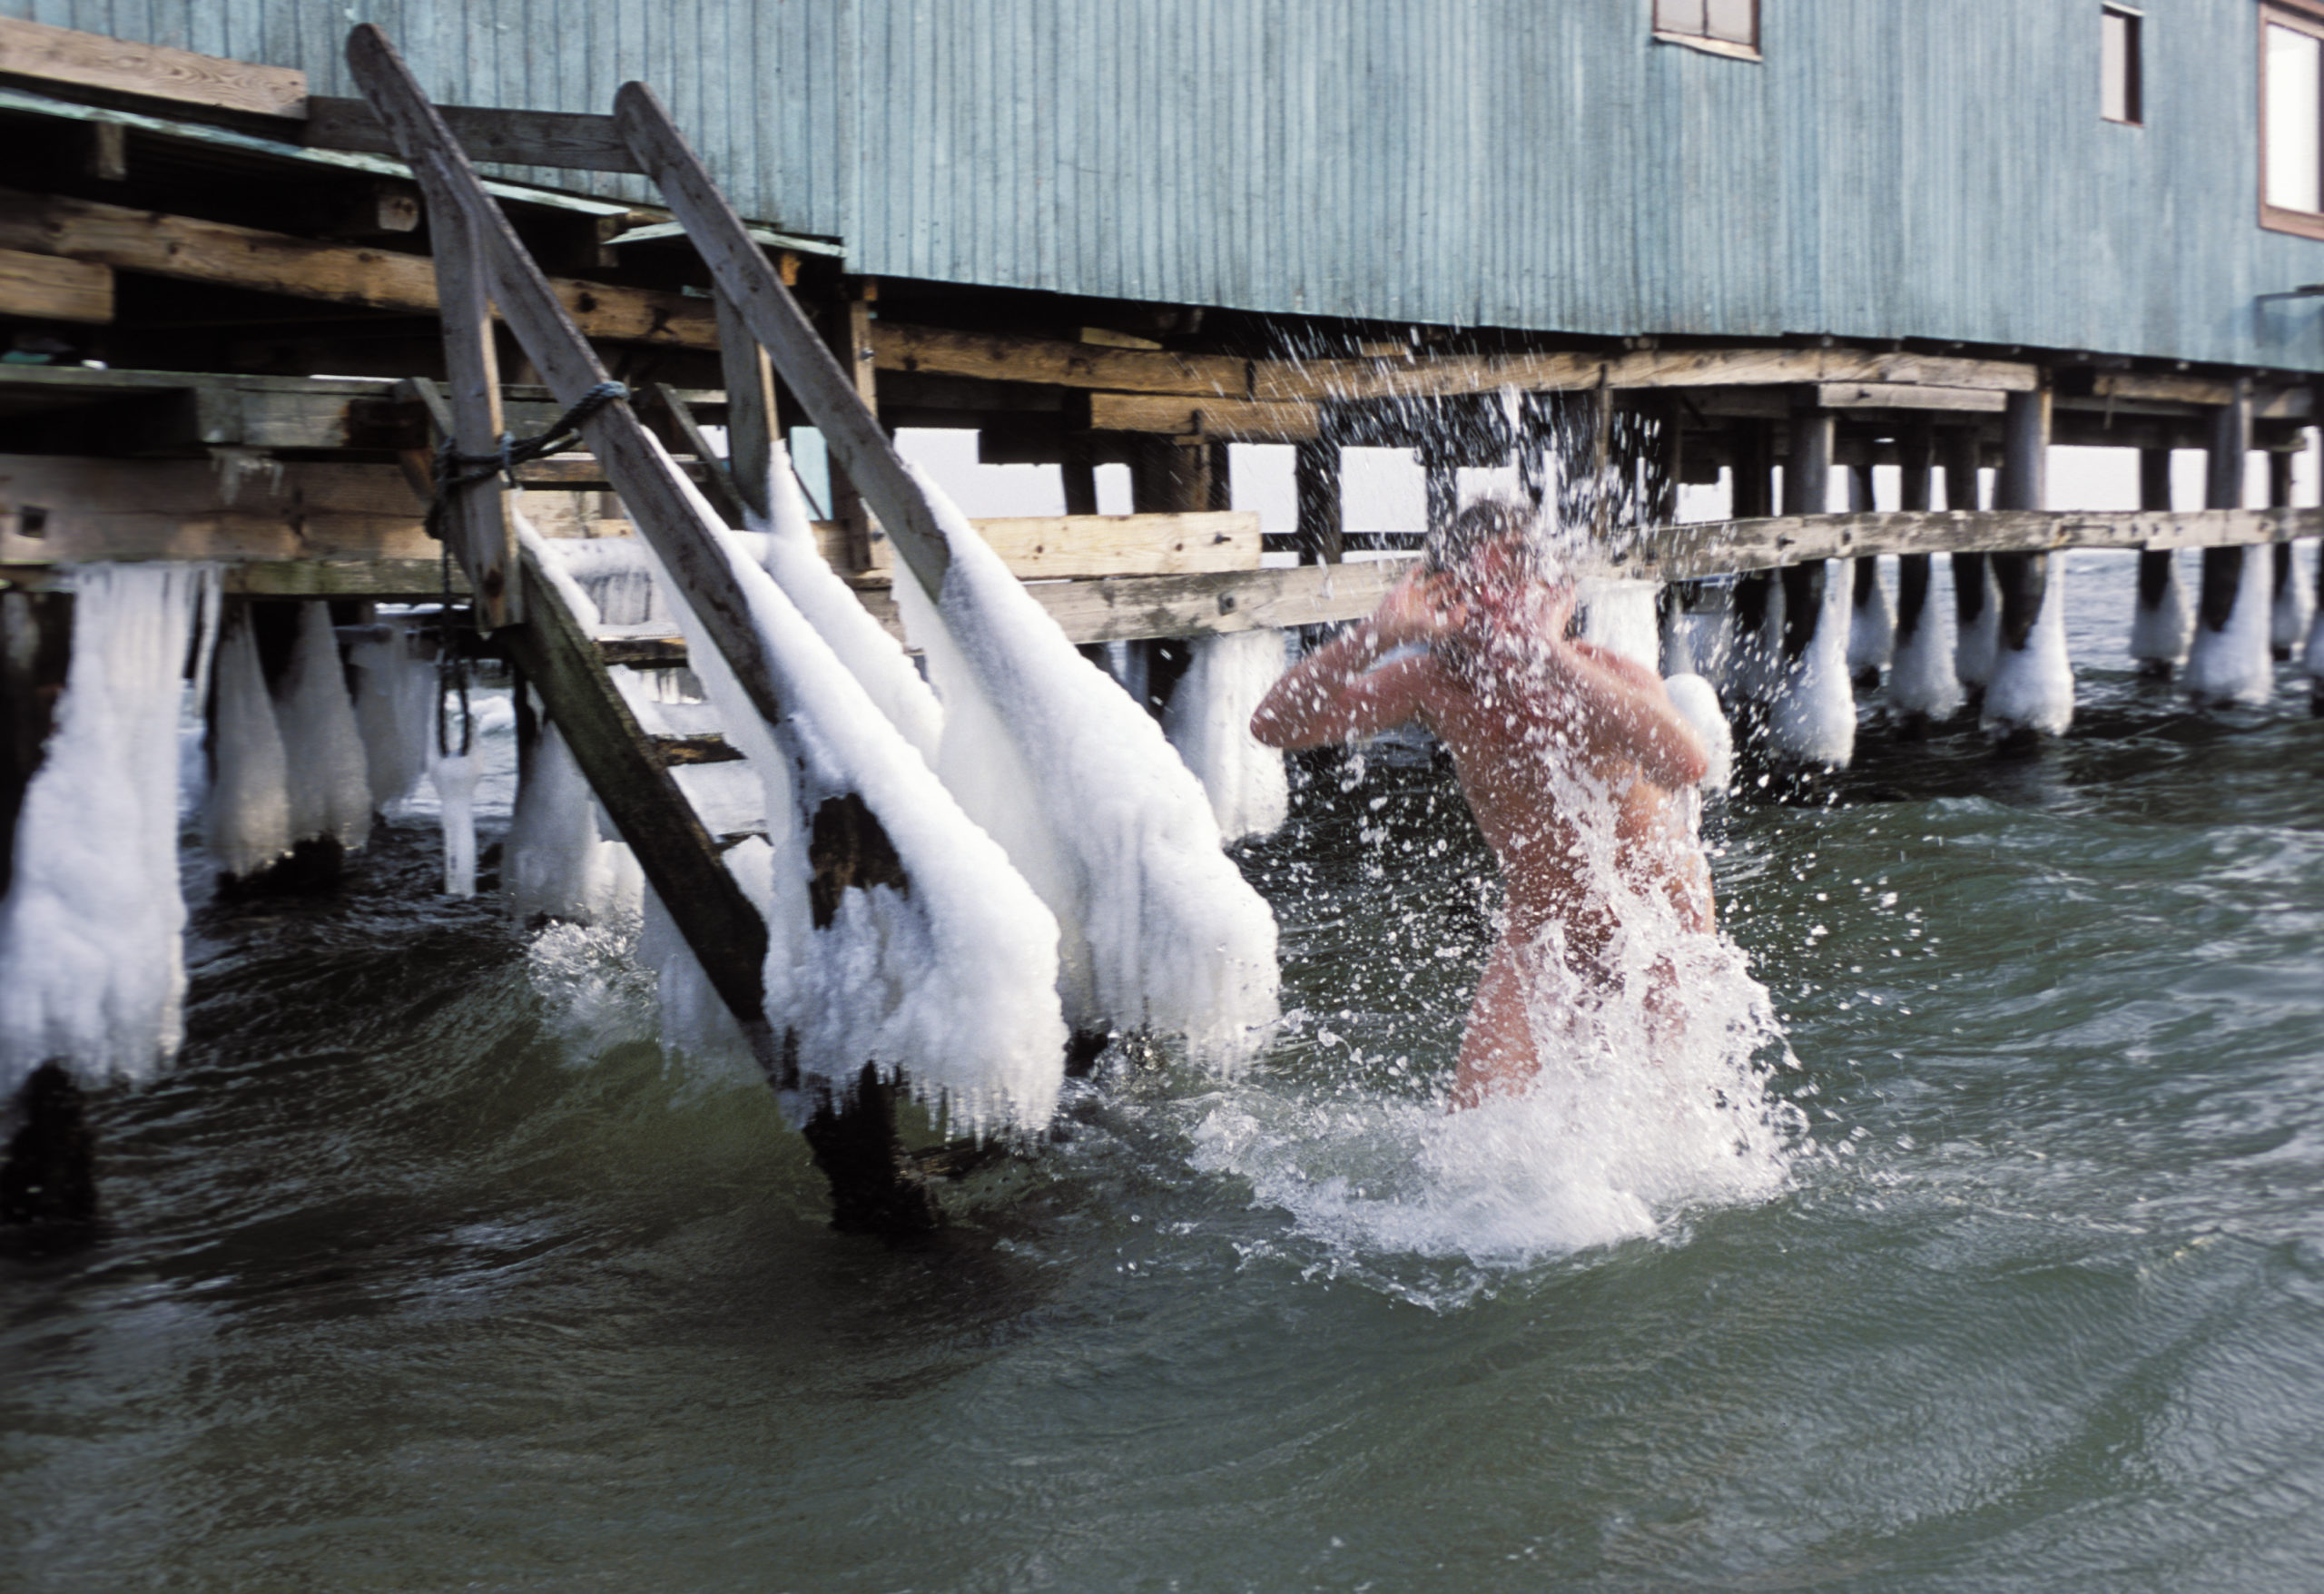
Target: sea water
413, 1280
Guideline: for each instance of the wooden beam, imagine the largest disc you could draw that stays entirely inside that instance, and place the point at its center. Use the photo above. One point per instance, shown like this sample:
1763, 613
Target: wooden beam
1009, 358
32, 49
575, 141
1420, 376
1238, 421
48, 289
1908, 396
751, 412
192, 250
1717, 548
816, 379
1046, 548
476, 523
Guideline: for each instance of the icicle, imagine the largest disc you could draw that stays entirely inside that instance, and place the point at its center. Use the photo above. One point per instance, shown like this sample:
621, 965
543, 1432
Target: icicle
2163, 624
1813, 720
1159, 928
2290, 610
2032, 687
2230, 663
1871, 627
1697, 699
1755, 668
454, 776
1208, 720
248, 822
1620, 616
556, 861
1921, 681
1976, 631
872, 654
394, 706
90, 931
330, 789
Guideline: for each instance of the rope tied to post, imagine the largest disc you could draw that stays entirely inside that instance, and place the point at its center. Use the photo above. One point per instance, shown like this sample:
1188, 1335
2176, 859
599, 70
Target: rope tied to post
455, 470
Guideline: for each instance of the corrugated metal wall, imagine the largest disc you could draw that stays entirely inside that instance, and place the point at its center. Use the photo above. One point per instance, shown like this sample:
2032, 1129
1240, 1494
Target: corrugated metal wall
1925, 168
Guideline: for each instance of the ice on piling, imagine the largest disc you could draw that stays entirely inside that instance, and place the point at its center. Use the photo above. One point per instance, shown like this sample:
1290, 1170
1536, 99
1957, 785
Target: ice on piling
1755, 665
1872, 625
1697, 700
246, 822
395, 710
1159, 929
2160, 631
90, 930
455, 775
1921, 679
556, 861
2232, 664
1813, 720
871, 653
1976, 644
1618, 615
2031, 687
329, 784
2291, 611
950, 977
1208, 720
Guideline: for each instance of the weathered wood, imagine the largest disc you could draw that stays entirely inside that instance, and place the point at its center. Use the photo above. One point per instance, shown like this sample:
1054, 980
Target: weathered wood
751, 414
90, 509
626, 769
1907, 396
1040, 547
823, 390
1715, 548
1424, 375
717, 482
575, 141
2276, 403
48, 289
1238, 420
2023, 577
32, 49
476, 523
250, 258
1008, 358
1316, 474
106, 156
850, 330
2225, 463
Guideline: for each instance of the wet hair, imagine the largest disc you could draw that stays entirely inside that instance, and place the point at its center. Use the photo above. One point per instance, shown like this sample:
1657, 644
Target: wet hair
1452, 545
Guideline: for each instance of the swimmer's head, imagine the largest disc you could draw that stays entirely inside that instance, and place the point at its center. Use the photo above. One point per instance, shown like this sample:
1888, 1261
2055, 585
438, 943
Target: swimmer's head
1494, 543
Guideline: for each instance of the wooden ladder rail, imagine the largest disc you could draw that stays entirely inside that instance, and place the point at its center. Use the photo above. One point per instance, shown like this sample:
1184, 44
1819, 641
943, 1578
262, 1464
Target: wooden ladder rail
623, 765
753, 289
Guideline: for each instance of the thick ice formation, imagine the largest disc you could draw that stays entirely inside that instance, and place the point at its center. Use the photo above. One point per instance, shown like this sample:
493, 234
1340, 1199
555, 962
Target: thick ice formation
395, 710
329, 787
1208, 720
1697, 699
874, 656
1697, 642
1872, 625
1159, 927
614, 572
1974, 645
90, 929
2160, 631
1620, 616
1755, 663
2031, 687
454, 776
2232, 664
247, 822
1813, 720
1920, 676
951, 978
2291, 614
556, 860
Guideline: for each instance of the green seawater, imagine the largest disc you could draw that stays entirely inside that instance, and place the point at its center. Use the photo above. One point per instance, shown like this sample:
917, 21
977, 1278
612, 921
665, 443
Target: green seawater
424, 1270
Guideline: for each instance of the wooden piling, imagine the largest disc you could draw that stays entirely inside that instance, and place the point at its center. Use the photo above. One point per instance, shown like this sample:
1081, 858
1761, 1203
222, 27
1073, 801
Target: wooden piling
1317, 467
1807, 490
2023, 484
1912, 572
2231, 441
2157, 566
2280, 551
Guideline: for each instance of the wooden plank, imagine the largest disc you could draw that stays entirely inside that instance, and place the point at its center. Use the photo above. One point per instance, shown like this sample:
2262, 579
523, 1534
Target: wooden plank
1908, 396
823, 390
625, 769
575, 141
1048, 546
1421, 375
46, 287
32, 49
1238, 420
476, 524
1008, 358
61, 508
751, 412
194, 251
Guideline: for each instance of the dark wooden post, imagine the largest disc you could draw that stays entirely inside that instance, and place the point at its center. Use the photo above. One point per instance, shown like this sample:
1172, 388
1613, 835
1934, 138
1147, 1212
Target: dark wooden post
2157, 566
1807, 490
1443, 488
1078, 470
1751, 497
2023, 484
1317, 471
479, 525
2223, 489
1171, 478
750, 408
2280, 576
1963, 491
1918, 449
849, 334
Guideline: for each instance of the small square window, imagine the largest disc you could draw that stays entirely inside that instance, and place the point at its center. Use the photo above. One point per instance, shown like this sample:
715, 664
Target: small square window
2120, 72
1725, 27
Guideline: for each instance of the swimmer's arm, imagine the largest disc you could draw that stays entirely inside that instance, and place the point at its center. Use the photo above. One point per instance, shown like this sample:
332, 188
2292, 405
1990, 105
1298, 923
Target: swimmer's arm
1336, 693
1626, 710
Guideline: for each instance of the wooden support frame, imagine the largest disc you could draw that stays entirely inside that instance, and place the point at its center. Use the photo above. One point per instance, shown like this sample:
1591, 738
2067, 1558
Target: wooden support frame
476, 523
33, 49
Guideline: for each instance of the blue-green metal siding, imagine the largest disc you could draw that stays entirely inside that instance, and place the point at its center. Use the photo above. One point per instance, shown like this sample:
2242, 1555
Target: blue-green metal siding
1893, 168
